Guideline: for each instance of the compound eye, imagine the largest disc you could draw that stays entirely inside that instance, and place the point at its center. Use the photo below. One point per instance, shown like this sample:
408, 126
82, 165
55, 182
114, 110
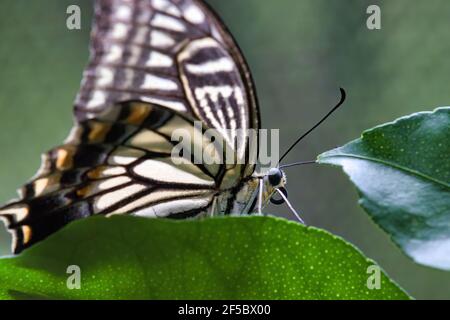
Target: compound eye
274, 176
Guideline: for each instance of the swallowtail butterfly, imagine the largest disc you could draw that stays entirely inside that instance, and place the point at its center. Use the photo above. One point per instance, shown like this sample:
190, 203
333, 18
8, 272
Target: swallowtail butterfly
155, 66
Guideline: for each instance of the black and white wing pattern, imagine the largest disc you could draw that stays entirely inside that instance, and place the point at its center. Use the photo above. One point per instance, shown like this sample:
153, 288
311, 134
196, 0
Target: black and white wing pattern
174, 53
155, 66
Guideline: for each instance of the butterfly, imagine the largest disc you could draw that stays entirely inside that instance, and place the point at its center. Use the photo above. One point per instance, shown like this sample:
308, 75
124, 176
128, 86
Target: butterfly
155, 66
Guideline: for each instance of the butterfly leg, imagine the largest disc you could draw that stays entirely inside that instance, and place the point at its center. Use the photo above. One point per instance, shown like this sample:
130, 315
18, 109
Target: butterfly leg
260, 196
212, 211
290, 206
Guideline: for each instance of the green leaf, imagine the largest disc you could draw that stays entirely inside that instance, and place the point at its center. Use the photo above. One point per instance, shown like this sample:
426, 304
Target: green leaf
222, 258
402, 173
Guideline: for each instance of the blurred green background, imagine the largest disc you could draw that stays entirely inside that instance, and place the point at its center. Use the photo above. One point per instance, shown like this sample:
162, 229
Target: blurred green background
300, 53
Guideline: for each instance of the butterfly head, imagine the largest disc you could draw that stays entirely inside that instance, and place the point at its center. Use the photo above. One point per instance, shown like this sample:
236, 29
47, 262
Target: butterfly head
274, 179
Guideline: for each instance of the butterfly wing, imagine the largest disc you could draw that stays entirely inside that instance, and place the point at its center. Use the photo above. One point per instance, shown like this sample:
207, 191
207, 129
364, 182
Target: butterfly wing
119, 162
177, 61
175, 53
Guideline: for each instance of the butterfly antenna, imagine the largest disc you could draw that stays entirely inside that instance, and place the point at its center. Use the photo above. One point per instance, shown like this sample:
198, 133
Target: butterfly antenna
290, 206
343, 96
297, 164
